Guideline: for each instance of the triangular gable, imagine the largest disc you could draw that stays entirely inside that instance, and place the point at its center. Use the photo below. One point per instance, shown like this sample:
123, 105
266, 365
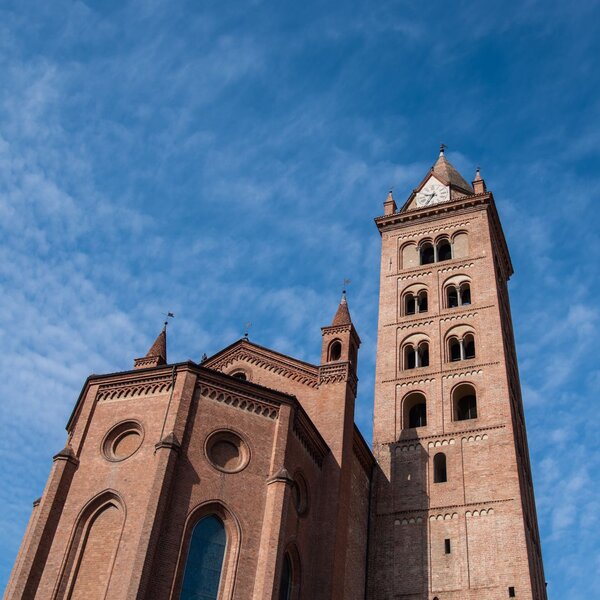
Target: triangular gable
245, 351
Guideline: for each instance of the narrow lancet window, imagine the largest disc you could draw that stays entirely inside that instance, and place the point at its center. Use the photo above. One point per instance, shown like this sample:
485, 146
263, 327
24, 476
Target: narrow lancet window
440, 474
205, 560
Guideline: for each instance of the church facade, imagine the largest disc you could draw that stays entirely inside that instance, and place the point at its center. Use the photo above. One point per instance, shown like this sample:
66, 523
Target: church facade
245, 477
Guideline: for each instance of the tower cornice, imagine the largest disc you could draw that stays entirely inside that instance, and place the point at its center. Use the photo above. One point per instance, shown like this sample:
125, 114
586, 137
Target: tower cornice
431, 212
462, 205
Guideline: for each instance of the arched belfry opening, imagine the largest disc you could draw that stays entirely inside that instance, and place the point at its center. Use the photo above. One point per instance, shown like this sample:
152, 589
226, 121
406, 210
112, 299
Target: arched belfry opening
335, 351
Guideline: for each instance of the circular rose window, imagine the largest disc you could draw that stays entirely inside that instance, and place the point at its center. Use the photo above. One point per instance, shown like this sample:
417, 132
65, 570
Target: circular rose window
122, 441
227, 451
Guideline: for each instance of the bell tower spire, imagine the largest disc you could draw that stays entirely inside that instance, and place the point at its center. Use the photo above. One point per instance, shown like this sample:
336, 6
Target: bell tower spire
157, 355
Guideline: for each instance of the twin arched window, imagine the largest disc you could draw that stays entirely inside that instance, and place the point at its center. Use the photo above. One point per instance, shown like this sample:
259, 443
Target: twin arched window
458, 295
416, 355
415, 303
205, 560
430, 253
461, 348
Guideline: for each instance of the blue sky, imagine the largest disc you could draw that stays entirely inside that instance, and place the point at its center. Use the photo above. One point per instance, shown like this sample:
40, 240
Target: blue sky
224, 161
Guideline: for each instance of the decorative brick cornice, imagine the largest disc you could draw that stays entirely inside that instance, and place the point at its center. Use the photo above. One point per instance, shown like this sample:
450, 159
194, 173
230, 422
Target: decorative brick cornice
449, 314
254, 356
434, 511
433, 230
141, 386
246, 402
460, 266
336, 329
386, 222
412, 324
147, 362
428, 376
309, 438
457, 264
467, 373
459, 316
416, 275
338, 372
419, 381
414, 443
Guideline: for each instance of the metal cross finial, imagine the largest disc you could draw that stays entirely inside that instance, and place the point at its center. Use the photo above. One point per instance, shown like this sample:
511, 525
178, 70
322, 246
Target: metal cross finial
247, 327
345, 284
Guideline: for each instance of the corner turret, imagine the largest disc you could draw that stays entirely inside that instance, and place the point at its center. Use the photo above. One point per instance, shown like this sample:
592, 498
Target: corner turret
157, 355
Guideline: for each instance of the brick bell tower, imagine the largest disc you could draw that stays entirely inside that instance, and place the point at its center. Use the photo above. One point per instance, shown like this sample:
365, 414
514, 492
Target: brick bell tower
452, 512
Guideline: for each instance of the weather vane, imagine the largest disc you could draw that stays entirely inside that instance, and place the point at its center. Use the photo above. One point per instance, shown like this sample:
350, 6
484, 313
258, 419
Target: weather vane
345, 284
168, 316
247, 327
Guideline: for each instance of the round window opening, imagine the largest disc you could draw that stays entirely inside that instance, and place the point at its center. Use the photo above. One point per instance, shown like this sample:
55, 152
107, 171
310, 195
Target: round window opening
122, 441
300, 494
227, 451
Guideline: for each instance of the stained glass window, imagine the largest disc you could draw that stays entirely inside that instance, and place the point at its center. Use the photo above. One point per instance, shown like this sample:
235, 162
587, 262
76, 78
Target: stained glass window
205, 560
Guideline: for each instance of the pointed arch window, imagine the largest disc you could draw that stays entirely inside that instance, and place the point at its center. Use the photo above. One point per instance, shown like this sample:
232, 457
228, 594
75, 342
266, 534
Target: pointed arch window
205, 560
93, 548
285, 586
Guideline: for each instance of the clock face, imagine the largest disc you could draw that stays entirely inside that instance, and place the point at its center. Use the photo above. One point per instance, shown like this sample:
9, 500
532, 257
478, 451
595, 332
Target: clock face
433, 192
